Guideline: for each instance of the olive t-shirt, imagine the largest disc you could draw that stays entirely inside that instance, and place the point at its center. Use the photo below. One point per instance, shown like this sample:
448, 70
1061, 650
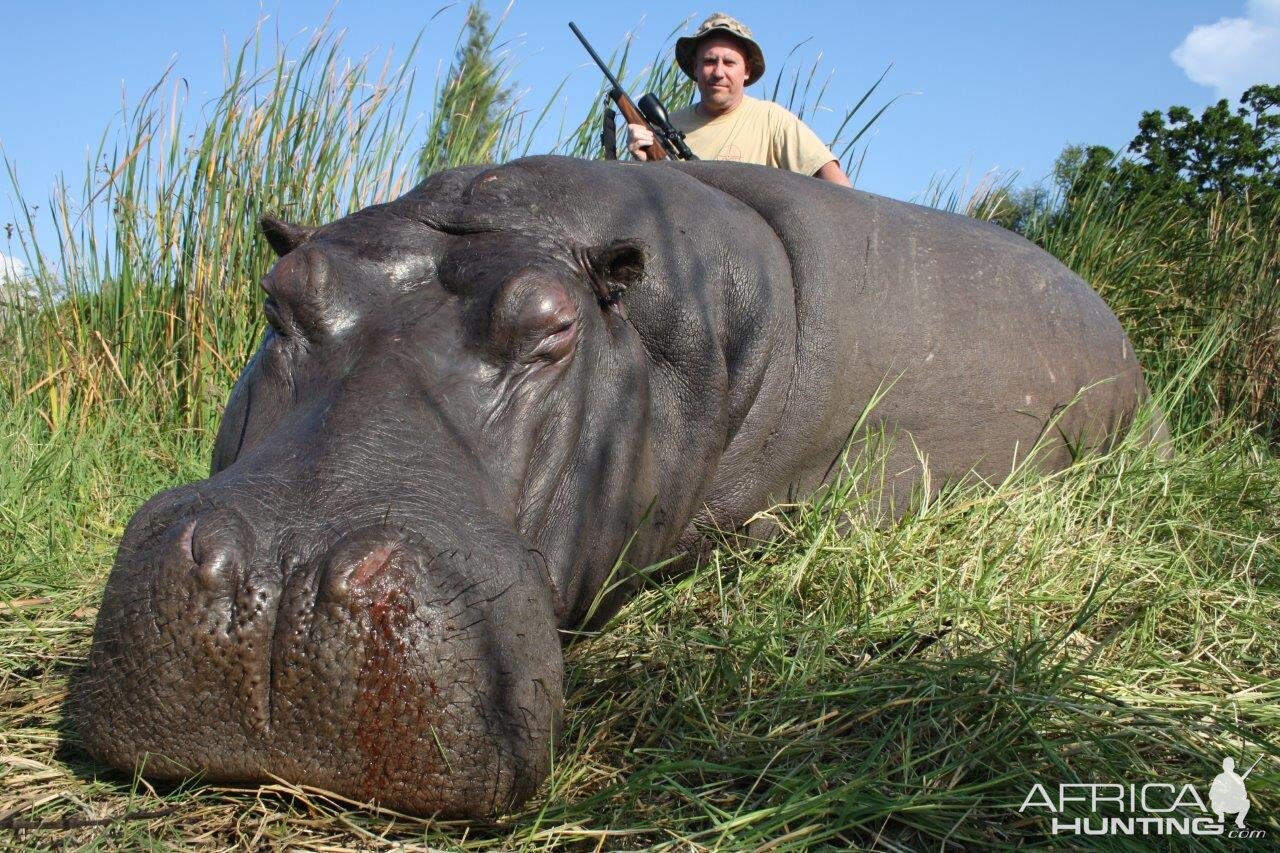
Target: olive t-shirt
755, 131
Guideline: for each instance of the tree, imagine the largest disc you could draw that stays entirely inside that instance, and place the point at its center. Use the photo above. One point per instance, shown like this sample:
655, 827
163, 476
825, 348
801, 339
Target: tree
1223, 153
473, 105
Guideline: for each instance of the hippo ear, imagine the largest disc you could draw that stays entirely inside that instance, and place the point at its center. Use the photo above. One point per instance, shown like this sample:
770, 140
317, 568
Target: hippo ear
283, 236
615, 267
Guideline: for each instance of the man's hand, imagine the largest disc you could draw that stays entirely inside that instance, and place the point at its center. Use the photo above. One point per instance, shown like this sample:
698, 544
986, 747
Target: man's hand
640, 137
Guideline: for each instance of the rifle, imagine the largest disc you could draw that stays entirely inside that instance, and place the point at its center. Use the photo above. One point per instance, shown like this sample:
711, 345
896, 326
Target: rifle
668, 142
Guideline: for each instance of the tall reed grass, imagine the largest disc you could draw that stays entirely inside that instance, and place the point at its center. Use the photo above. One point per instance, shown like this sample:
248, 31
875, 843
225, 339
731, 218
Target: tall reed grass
150, 296
1172, 275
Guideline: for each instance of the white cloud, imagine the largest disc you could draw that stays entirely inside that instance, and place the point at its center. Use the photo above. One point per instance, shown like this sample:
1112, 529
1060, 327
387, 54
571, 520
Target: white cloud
11, 268
1234, 53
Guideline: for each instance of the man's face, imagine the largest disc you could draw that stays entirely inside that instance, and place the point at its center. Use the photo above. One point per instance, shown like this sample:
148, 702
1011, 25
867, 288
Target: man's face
721, 72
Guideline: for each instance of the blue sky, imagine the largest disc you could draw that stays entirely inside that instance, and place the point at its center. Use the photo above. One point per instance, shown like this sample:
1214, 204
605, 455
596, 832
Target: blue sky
994, 85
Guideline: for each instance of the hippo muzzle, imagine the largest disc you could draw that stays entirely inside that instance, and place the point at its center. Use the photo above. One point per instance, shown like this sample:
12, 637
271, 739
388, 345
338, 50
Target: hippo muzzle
370, 666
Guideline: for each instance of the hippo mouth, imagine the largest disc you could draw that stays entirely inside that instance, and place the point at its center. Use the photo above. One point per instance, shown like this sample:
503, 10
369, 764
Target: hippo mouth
370, 671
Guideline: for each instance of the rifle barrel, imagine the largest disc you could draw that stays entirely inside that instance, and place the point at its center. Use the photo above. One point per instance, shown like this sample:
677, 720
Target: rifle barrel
613, 81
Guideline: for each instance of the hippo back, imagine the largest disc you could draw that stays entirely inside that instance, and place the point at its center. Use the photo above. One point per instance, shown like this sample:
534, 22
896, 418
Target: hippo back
982, 344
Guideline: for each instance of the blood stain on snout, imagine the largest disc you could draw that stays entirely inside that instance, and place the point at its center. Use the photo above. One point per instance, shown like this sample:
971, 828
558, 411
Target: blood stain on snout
385, 706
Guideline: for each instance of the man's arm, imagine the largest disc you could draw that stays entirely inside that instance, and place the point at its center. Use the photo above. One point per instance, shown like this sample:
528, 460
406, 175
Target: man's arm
799, 149
832, 172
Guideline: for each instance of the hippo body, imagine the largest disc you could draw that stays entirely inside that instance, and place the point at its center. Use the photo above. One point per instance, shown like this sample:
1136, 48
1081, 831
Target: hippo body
474, 399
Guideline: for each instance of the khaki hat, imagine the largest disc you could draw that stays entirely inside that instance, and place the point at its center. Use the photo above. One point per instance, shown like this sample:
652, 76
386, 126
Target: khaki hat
719, 22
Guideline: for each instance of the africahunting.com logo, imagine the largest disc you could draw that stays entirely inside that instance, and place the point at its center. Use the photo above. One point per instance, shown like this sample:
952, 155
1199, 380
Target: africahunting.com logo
1148, 808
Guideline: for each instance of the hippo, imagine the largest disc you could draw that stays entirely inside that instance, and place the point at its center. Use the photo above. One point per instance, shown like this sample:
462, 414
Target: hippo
482, 409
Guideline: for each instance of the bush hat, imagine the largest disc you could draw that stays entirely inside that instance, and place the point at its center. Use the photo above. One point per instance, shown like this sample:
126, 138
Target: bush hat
720, 23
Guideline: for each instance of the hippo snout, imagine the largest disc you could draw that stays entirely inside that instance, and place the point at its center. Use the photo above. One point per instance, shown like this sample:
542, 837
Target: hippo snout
379, 665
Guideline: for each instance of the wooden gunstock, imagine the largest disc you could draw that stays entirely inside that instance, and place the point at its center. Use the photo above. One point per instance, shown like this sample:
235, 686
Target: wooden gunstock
631, 115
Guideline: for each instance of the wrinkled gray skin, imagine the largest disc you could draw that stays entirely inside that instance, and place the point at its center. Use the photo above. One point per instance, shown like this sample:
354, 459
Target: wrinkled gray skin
458, 419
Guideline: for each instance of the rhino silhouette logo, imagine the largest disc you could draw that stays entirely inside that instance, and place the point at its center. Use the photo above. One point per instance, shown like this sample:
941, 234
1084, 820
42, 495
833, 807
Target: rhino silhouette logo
1227, 795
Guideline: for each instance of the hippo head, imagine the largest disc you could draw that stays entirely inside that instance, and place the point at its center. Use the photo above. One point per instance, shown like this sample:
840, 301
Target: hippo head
472, 405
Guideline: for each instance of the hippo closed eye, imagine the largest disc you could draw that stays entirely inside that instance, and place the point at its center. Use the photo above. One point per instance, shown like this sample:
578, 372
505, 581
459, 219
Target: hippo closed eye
471, 401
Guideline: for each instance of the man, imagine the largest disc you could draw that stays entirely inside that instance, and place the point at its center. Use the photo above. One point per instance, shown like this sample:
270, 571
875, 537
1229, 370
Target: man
726, 124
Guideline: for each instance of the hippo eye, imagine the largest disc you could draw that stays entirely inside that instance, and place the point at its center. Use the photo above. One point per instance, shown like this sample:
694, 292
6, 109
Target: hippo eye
556, 343
298, 304
275, 317
535, 320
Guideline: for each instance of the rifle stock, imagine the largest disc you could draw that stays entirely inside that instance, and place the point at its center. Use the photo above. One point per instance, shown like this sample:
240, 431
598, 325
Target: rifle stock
632, 115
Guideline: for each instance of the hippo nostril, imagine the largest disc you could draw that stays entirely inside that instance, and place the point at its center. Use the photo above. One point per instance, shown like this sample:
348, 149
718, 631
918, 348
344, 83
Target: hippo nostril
358, 562
348, 571
372, 565
216, 543
186, 536
213, 566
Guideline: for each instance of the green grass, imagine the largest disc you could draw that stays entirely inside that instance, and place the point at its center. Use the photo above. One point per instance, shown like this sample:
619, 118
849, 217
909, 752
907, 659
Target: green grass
847, 684
891, 686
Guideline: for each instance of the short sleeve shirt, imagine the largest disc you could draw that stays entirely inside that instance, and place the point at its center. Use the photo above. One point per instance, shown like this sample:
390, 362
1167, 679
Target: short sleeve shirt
755, 131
